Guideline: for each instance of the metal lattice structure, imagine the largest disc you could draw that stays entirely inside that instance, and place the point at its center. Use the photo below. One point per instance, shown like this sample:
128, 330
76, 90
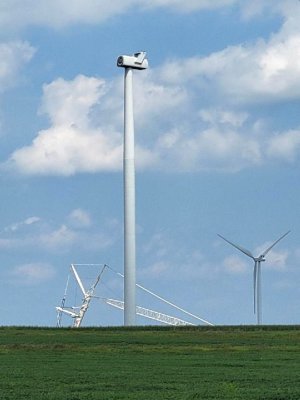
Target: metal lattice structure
154, 315
78, 312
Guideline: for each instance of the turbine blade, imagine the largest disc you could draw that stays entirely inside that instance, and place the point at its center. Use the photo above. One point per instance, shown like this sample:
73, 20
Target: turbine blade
78, 280
271, 247
245, 251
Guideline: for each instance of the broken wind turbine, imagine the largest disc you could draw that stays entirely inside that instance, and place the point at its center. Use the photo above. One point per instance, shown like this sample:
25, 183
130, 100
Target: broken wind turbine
77, 313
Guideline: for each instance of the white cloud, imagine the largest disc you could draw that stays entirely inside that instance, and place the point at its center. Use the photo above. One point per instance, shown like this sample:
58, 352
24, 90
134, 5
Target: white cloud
75, 144
33, 274
80, 218
68, 103
266, 71
257, 8
192, 5
31, 220
289, 10
64, 238
17, 225
19, 14
275, 259
216, 116
13, 55
66, 151
59, 237
176, 130
57, 13
72, 144
156, 98
253, 8
210, 149
285, 146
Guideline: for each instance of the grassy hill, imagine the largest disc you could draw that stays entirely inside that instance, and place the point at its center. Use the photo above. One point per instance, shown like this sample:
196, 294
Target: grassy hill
150, 363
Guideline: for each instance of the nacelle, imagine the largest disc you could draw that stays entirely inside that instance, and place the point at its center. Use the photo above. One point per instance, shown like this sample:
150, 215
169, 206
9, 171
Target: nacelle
137, 61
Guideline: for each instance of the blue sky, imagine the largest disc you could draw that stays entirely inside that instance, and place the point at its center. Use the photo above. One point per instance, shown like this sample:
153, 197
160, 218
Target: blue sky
217, 151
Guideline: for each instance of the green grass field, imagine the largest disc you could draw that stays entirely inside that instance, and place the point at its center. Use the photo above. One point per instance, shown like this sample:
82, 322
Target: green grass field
150, 363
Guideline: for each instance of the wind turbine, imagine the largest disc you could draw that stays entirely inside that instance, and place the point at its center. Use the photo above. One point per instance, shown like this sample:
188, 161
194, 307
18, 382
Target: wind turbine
256, 273
140, 62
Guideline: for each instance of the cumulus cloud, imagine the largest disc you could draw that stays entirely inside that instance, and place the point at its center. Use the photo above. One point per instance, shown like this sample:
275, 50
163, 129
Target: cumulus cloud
66, 151
210, 149
266, 71
72, 144
157, 98
188, 113
86, 131
75, 142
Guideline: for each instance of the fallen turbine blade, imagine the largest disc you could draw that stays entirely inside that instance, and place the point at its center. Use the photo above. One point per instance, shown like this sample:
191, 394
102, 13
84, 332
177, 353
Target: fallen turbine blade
271, 247
245, 251
78, 279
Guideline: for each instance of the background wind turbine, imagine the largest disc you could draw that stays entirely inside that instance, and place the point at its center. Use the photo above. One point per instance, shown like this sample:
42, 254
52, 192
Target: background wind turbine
256, 273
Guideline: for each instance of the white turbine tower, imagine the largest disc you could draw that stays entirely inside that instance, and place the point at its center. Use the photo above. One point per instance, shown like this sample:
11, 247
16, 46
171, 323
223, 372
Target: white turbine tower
137, 61
256, 273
